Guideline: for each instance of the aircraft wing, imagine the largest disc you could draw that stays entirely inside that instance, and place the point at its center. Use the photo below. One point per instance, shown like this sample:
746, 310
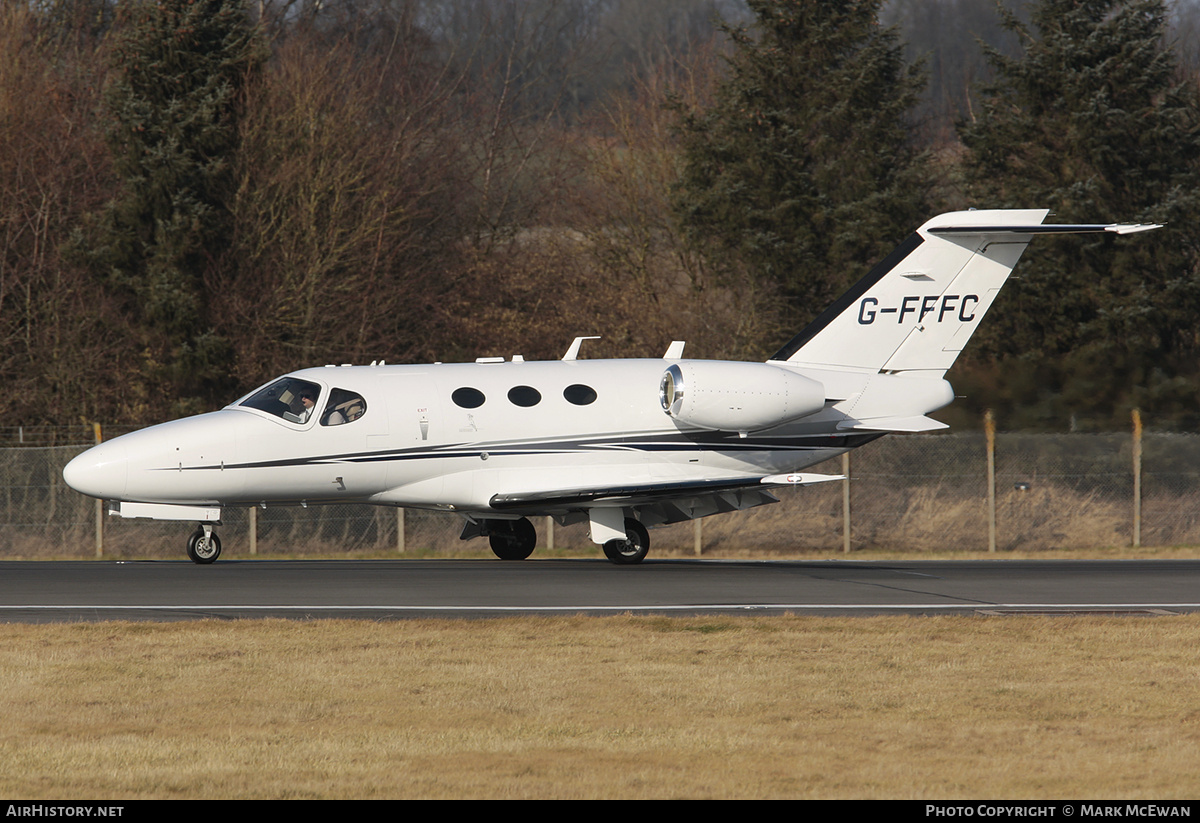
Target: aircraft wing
640, 494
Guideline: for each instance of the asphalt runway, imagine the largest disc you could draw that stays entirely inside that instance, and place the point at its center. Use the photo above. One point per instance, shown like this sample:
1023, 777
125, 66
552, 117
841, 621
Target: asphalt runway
166, 590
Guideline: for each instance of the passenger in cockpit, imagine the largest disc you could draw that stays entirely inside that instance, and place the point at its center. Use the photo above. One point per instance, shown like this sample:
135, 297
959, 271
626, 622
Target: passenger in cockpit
343, 407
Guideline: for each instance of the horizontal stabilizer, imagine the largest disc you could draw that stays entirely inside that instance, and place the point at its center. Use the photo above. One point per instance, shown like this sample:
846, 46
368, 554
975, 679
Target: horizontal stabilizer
1050, 228
920, 423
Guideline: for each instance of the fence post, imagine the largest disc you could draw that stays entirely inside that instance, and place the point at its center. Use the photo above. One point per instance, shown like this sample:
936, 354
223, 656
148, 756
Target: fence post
1137, 478
549, 533
399, 530
253, 530
98, 435
989, 428
846, 503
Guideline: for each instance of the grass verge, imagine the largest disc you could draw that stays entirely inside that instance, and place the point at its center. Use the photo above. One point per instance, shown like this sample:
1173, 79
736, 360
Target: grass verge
618, 707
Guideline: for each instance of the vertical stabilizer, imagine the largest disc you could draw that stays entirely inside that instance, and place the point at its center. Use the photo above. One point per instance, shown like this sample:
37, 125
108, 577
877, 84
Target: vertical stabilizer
917, 309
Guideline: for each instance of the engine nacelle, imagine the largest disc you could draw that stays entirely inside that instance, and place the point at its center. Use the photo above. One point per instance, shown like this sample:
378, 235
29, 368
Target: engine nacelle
739, 397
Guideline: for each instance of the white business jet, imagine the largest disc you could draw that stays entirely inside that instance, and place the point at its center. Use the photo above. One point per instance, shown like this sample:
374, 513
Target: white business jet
623, 445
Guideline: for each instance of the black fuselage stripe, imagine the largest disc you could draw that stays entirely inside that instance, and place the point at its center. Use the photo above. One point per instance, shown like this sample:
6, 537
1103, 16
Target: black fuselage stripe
812, 443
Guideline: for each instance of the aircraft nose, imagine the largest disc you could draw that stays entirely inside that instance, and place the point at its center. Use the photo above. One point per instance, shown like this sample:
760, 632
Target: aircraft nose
101, 471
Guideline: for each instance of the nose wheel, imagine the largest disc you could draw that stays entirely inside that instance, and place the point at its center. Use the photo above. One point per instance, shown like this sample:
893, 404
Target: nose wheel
204, 546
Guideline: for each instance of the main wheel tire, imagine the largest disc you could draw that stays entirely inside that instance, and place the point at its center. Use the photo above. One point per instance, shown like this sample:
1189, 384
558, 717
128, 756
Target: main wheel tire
203, 549
633, 548
512, 539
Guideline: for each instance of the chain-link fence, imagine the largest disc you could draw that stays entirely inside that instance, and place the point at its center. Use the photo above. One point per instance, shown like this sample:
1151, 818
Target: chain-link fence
914, 493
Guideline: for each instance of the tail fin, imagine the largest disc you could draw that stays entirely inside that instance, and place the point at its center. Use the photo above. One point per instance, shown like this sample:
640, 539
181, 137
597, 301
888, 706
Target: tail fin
917, 309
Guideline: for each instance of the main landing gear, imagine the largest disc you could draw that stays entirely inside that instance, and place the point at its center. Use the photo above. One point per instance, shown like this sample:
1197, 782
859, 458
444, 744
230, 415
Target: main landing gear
512, 539
204, 546
633, 548
516, 539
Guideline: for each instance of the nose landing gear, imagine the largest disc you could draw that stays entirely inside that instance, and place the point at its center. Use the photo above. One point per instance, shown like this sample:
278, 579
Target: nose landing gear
204, 546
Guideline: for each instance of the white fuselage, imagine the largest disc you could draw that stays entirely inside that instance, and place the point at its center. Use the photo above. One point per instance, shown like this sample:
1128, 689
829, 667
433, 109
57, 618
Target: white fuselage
416, 445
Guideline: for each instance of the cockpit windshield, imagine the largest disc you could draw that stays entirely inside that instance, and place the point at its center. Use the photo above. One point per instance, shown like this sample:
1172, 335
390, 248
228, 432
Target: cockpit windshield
295, 401
291, 398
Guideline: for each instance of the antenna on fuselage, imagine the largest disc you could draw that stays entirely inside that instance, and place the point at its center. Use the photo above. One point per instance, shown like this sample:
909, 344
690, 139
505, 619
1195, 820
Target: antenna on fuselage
573, 352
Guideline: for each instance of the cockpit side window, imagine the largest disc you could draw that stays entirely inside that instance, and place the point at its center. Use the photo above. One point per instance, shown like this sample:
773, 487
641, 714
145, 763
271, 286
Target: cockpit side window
289, 398
343, 407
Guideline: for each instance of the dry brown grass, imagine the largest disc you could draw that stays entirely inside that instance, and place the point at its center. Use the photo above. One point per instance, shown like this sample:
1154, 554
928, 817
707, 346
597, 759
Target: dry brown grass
621, 707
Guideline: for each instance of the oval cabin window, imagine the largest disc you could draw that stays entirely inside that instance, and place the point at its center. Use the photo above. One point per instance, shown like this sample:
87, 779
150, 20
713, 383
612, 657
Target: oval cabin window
524, 396
580, 394
468, 398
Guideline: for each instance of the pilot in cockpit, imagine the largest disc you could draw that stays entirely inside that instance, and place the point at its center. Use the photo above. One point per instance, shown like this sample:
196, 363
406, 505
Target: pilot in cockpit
308, 399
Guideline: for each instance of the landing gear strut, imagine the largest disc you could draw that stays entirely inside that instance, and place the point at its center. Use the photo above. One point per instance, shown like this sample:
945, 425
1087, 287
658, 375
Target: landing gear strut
633, 548
512, 539
204, 546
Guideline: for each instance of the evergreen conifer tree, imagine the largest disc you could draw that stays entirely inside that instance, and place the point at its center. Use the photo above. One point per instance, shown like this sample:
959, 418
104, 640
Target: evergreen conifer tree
172, 105
803, 169
1093, 121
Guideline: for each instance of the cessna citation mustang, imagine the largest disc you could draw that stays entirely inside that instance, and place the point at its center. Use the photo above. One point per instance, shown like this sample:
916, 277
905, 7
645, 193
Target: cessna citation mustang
620, 444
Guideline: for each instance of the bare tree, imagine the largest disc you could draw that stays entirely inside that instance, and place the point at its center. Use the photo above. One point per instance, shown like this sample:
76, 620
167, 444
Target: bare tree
617, 265
60, 335
344, 199
634, 235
